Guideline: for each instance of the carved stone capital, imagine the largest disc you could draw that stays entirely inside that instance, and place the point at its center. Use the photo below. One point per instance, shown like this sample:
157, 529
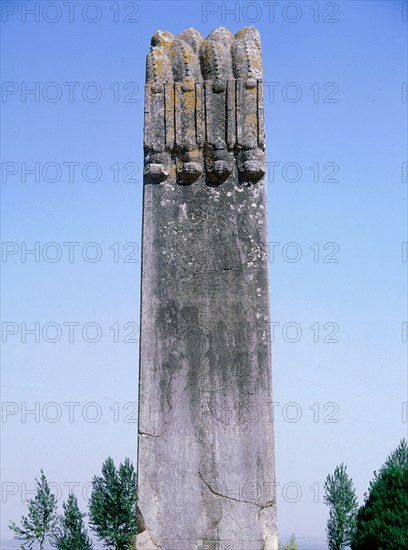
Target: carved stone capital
204, 107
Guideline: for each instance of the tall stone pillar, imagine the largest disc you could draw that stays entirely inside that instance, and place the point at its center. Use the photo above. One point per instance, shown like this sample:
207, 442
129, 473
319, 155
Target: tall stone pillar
206, 473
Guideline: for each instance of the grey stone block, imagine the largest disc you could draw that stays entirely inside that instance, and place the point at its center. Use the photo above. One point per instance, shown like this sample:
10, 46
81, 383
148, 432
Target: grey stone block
206, 469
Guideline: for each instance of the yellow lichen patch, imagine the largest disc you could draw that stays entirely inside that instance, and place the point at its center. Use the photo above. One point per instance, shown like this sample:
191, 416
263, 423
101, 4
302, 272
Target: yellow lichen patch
257, 66
173, 53
171, 94
162, 38
248, 33
188, 102
205, 55
159, 65
188, 54
199, 102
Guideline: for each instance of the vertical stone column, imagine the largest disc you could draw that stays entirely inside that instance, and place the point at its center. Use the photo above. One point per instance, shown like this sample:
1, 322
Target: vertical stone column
206, 472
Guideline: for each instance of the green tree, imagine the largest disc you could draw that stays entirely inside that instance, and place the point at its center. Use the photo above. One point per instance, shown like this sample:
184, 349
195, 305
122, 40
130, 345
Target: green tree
71, 533
112, 506
40, 523
398, 458
292, 544
382, 521
341, 498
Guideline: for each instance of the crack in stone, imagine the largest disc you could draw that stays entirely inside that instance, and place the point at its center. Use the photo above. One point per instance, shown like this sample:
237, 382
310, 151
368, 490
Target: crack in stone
149, 435
227, 497
269, 504
143, 538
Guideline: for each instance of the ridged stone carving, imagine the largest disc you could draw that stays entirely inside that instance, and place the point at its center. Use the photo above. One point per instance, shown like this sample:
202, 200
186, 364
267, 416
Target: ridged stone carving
204, 107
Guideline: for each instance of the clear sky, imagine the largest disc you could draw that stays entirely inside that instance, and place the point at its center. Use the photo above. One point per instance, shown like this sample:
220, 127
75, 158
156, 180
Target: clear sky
336, 126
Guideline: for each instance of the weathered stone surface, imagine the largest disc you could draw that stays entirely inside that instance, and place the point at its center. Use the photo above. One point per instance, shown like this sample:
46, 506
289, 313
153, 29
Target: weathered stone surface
206, 453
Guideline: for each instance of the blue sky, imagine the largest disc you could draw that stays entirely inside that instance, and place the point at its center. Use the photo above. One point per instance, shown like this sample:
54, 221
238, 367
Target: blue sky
334, 74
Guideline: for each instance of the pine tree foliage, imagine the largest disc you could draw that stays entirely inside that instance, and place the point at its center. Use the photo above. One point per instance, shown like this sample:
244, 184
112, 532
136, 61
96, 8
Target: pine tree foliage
292, 544
40, 524
341, 498
71, 533
382, 521
112, 507
398, 457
